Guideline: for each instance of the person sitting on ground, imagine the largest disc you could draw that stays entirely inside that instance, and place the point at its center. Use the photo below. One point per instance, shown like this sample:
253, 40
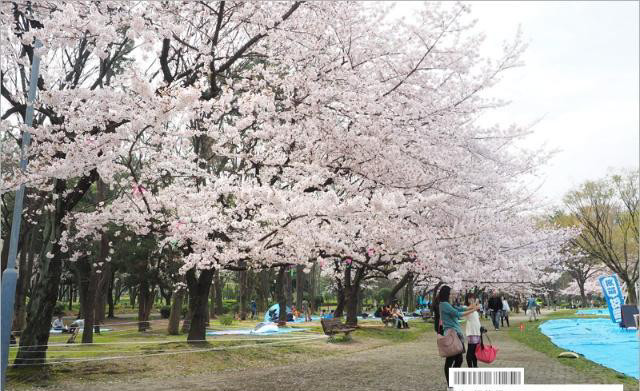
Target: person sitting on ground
385, 315
295, 312
58, 324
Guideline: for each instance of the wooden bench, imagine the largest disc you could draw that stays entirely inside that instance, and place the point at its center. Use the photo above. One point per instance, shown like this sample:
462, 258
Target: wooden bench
389, 320
331, 327
426, 315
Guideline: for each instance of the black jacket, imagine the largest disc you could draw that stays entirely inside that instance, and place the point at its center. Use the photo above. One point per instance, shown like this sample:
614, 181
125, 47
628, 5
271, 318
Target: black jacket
495, 303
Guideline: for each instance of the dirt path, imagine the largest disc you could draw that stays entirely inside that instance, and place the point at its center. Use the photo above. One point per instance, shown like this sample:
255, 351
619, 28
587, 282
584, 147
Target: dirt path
406, 366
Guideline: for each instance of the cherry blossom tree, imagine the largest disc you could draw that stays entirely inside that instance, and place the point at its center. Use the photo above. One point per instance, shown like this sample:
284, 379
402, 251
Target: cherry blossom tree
252, 135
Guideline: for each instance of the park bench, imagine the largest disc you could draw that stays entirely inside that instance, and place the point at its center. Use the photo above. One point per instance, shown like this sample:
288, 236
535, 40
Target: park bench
331, 327
389, 320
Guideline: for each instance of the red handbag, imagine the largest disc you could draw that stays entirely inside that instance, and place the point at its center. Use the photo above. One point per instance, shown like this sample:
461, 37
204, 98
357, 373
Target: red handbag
486, 353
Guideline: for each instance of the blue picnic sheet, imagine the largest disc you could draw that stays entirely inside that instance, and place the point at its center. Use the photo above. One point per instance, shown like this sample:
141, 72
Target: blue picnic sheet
595, 311
599, 340
280, 330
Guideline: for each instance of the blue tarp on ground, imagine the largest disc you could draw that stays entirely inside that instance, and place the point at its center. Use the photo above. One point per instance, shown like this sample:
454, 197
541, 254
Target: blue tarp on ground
314, 318
253, 332
273, 313
598, 340
593, 312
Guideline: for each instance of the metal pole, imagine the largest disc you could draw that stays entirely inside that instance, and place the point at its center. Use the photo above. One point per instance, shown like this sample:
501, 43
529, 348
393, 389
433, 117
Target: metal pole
10, 275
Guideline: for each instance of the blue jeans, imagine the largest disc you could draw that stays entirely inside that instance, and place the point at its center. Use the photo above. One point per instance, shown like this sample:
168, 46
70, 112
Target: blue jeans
495, 318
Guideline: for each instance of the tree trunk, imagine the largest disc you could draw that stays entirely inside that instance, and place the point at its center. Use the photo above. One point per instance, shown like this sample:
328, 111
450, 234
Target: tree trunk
90, 303
72, 294
411, 305
133, 293
117, 290
176, 312
351, 288
351, 304
299, 286
145, 304
280, 294
198, 298
242, 293
24, 277
632, 295
396, 288
313, 288
262, 290
83, 273
218, 288
110, 289
340, 295
212, 303
289, 288
186, 322
35, 337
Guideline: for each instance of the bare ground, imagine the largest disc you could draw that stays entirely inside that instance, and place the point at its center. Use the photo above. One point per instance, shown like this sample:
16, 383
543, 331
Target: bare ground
402, 366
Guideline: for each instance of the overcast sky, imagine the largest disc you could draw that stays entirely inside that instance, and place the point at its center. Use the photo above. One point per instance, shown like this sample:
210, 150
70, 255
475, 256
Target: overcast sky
581, 78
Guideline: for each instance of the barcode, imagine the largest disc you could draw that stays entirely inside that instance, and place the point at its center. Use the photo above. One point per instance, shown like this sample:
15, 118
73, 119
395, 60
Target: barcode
499, 376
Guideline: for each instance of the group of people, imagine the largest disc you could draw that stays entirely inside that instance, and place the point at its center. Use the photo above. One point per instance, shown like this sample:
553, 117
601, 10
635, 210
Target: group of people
499, 309
58, 325
395, 314
447, 316
304, 311
533, 308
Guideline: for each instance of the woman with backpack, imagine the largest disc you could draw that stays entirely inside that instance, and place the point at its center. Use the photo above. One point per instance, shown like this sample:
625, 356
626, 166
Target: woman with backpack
448, 317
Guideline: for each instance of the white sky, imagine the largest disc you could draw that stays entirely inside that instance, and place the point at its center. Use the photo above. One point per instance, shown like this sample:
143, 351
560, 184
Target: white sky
581, 78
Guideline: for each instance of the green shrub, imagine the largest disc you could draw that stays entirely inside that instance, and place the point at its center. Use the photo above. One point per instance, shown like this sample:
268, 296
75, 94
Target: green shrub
165, 311
226, 320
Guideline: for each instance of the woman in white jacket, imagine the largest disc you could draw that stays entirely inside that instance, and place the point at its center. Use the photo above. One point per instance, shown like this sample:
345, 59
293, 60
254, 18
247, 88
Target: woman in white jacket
473, 332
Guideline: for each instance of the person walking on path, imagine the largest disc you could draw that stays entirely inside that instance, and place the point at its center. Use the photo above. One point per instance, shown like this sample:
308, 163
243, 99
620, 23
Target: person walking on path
473, 332
447, 317
531, 306
495, 305
505, 312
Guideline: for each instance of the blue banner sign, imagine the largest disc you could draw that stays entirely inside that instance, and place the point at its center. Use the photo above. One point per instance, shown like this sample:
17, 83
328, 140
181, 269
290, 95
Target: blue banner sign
613, 295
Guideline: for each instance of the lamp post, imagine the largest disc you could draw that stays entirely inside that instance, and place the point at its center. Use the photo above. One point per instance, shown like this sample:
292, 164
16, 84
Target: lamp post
9, 276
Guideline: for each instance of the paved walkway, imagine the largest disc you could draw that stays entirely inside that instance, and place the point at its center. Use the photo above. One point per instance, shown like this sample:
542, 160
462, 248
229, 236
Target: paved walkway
405, 366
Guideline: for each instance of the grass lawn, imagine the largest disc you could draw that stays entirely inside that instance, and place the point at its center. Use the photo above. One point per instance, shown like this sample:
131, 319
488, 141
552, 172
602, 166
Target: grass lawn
533, 338
128, 354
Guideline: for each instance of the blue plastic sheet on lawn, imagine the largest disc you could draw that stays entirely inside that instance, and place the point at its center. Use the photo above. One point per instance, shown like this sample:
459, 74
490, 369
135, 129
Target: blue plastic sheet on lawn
273, 313
598, 340
254, 332
593, 312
